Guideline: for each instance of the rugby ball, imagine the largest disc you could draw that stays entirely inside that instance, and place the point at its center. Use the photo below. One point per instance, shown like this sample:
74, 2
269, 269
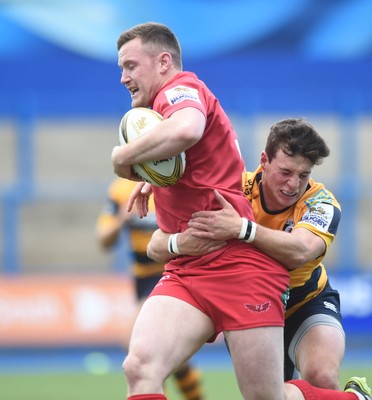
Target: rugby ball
160, 172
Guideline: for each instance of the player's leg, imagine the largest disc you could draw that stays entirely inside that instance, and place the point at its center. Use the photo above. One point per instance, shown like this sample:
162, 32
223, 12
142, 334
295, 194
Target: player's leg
253, 319
319, 356
143, 286
166, 333
189, 382
188, 379
257, 355
293, 392
315, 340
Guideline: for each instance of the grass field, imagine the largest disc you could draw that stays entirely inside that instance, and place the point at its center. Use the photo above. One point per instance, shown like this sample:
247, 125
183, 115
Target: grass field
219, 385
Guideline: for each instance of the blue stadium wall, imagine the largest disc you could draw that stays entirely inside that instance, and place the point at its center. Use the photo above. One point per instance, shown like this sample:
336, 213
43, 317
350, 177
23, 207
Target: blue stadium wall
305, 55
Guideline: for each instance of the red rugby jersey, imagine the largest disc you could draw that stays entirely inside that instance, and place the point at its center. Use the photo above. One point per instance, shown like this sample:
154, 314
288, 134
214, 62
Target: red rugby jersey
214, 162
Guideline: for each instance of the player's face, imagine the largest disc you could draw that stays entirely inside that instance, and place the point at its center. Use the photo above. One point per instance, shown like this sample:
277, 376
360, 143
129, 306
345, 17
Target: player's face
284, 179
140, 72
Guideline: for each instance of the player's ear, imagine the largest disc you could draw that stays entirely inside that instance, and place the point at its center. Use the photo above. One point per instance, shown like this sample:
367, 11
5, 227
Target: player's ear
264, 159
165, 60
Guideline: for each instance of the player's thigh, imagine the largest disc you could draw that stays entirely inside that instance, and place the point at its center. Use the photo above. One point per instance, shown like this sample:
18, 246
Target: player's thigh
293, 392
168, 330
257, 356
322, 346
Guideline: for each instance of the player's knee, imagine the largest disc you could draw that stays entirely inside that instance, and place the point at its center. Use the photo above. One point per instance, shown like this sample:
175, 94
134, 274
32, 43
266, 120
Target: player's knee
139, 366
133, 369
325, 379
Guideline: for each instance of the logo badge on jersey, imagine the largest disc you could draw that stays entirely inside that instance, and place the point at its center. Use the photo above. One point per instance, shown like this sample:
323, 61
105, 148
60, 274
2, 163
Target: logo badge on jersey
320, 216
181, 93
330, 306
257, 307
320, 197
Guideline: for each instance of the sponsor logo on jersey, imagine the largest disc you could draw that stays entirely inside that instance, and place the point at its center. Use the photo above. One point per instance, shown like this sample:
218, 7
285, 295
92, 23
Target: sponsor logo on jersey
318, 209
181, 93
319, 215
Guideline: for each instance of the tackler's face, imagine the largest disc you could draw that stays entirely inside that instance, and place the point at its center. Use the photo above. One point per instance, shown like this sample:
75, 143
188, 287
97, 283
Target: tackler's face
140, 72
284, 180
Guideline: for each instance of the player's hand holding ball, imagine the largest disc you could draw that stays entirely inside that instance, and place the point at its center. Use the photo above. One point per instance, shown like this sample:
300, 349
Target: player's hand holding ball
119, 169
114, 152
160, 172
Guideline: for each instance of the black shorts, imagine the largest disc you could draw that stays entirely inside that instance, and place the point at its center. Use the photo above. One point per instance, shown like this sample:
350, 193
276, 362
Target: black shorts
324, 309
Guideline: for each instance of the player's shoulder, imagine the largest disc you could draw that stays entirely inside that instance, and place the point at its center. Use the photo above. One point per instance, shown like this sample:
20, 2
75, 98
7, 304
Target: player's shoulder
318, 191
184, 89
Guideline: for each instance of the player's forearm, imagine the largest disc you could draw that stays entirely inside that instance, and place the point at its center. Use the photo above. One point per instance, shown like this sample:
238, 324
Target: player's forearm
157, 248
162, 141
290, 250
184, 243
167, 139
283, 247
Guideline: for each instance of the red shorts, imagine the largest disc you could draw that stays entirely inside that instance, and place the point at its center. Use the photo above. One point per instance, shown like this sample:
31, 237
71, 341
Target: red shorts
242, 288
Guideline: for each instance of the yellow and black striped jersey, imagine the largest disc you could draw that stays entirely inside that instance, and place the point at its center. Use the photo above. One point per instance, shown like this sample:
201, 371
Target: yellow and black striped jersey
140, 230
318, 211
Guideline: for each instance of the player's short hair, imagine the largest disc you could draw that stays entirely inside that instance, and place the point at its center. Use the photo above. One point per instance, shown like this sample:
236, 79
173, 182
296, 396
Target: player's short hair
296, 137
157, 37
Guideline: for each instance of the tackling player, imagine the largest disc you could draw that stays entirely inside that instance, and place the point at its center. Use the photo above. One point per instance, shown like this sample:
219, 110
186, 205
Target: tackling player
296, 220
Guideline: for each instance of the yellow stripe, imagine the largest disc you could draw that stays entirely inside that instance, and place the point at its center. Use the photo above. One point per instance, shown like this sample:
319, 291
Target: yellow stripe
163, 180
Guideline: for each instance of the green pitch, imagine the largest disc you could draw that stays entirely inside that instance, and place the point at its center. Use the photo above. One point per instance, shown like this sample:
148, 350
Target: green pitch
218, 385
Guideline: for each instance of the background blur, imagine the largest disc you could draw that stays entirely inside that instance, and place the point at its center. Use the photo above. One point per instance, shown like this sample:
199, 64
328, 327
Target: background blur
60, 105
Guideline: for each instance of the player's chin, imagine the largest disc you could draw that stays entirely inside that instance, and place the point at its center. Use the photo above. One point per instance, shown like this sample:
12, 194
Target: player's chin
138, 102
289, 203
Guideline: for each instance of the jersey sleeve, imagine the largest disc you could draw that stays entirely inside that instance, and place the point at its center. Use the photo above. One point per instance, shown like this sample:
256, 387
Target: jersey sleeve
321, 215
187, 91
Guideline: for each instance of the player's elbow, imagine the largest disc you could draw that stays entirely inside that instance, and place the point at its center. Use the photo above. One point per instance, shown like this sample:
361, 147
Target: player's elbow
188, 137
296, 259
188, 125
152, 253
157, 256
189, 132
